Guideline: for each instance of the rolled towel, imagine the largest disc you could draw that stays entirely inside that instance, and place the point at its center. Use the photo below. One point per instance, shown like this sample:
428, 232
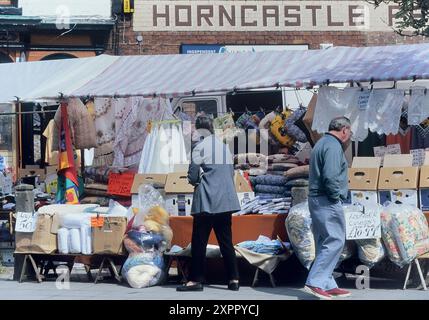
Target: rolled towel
74, 241
63, 240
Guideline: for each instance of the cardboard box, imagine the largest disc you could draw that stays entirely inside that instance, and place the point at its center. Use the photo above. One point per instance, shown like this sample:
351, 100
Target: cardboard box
178, 204
42, 240
157, 180
424, 188
398, 181
363, 180
177, 182
398, 160
398, 178
179, 194
363, 198
108, 238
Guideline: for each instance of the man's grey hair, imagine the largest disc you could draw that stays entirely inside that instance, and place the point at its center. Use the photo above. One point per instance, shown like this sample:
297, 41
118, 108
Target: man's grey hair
337, 124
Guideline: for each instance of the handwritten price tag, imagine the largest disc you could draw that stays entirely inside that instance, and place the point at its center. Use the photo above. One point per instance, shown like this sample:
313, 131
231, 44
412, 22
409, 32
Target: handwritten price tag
120, 183
25, 222
362, 225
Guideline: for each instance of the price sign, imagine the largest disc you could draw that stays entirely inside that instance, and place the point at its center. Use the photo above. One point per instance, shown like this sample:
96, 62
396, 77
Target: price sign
120, 183
25, 222
362, 224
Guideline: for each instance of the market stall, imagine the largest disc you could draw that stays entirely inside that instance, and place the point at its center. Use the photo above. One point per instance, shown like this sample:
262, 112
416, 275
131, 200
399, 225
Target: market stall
122, 109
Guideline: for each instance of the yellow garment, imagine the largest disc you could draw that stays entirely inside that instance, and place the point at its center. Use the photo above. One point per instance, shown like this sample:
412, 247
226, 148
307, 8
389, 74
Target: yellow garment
276, 126
51, 157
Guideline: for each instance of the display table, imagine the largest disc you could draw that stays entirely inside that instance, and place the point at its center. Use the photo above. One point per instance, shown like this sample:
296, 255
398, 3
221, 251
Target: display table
246, 227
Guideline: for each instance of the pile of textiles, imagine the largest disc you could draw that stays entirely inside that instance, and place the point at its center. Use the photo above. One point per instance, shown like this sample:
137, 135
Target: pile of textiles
97, 175
266, 205
300, 234
255, 164
265, 245
405, 233
95, 193
278, 164
270, 186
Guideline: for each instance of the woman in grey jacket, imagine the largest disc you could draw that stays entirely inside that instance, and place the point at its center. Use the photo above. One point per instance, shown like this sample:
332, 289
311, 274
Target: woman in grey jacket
211, 172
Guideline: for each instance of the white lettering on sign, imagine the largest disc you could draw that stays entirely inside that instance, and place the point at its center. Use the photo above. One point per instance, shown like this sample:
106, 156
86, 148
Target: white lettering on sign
362, 224
25, 222
263, 15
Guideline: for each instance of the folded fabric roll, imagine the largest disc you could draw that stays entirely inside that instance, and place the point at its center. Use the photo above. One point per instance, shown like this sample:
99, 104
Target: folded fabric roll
292, 129
298, 172
282, 158
281, 166
273, 195
270, 180
270, 189
257, 172
250, 158
300, 182
85, 239
276, 173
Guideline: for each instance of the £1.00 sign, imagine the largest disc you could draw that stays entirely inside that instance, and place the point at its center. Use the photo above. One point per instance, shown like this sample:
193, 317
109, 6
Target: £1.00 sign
25, 222
363, 224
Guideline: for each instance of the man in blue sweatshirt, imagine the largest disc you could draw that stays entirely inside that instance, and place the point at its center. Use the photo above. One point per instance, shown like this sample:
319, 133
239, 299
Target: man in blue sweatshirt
328, 186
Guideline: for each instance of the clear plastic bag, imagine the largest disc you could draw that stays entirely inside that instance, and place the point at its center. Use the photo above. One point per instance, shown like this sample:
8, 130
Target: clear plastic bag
405, 232
148, 197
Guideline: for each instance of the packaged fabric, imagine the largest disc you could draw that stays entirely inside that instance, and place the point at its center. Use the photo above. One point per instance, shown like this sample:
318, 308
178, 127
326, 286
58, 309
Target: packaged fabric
277, 129
292, 129
300, 182
299, 172
143, 269
298, 227
370, 251
85, 239
299, 195
270, 189
269, 180
63, 240
74, 241
67, 208
405, 232
76, 221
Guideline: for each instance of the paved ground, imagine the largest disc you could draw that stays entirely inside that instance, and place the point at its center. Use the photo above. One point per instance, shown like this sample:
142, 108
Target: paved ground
380, 289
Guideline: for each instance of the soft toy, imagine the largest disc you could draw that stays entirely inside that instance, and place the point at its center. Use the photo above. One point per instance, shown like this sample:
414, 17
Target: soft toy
157, 221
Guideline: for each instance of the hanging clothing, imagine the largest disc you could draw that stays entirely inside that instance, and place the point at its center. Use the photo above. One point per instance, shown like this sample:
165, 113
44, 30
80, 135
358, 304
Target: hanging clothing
68, 185
164, 148
385, 110
366, 147
132, 117
81, 124
419, 140
331, 103
105, 132
51, 157
418, 106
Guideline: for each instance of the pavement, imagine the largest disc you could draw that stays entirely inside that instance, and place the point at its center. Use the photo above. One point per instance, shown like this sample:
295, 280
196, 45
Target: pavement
79, 288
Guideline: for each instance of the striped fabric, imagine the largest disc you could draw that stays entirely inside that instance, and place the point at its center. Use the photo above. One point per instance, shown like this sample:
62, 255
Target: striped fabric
176, 75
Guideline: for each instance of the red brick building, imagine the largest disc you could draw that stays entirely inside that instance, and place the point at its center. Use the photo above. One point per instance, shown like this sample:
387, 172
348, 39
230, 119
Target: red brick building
163, 27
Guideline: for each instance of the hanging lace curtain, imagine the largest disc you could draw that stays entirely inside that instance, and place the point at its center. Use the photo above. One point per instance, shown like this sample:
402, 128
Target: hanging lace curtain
418, 106
164, 149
